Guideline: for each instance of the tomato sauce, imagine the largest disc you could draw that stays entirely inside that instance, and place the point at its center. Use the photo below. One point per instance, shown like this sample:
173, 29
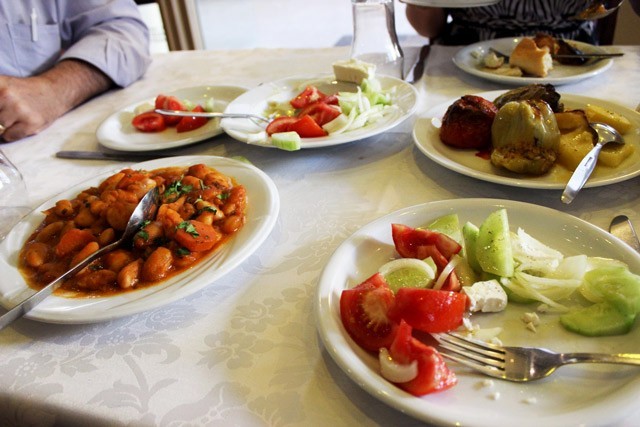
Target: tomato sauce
200, 210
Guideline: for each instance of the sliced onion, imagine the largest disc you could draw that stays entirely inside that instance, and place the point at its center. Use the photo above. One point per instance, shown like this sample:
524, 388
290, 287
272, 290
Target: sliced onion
396, 372
446, 271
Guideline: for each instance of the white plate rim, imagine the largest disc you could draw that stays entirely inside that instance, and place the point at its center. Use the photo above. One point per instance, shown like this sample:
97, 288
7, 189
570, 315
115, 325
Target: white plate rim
462, 61
451, 3
431, 151
431, 408
262, 213
110, 136
254, 102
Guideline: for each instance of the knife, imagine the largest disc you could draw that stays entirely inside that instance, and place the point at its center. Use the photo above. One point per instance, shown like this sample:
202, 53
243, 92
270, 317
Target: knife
416, 72
99, 155
622, 228
567, 55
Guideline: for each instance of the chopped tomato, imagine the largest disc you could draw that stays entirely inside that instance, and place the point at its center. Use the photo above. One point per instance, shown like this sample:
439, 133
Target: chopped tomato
421, 243
331, 99
306, 127
170, 103
320, 112
308, 96
149, 121
429, 310
197, 236
281, 124
363, 311
408, 241
191, 123
433, 373
159, 104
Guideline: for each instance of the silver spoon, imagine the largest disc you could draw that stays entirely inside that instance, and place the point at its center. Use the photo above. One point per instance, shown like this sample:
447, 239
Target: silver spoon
145, 210
606, 135
597, 9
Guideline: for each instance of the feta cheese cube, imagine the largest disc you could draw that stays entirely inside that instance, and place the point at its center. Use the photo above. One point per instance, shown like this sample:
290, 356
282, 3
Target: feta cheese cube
487, 296
353, 70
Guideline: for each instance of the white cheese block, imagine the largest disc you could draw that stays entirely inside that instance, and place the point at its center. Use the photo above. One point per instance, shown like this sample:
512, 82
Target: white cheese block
487, 296
353, 70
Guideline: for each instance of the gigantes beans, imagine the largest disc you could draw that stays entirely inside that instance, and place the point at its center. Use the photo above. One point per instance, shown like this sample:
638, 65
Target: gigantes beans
200, 205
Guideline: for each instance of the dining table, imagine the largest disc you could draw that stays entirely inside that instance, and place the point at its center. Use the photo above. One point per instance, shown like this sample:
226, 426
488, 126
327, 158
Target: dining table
245, 349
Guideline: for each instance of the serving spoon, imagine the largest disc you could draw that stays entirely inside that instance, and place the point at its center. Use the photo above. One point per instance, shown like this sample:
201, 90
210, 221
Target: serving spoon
606, 135
145, 210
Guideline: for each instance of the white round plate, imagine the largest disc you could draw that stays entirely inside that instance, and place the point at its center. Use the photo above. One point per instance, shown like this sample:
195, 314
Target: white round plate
586, 394
451, 3
559, 75
262, 212
466, 162
256, 101
117, 132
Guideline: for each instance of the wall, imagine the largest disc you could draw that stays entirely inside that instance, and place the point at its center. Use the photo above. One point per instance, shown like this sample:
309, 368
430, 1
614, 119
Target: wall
627, 32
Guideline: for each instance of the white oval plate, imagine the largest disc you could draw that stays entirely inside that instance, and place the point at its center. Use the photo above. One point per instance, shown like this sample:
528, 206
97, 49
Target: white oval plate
575, 395
559, 75
117, 132
262, 212
256, 100
466, 162
451, 3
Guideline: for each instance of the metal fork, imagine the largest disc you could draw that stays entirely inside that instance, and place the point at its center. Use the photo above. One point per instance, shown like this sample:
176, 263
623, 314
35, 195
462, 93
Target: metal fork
518, 364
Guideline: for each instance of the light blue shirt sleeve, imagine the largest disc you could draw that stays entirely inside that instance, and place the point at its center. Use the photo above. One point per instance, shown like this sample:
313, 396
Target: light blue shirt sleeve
108, 34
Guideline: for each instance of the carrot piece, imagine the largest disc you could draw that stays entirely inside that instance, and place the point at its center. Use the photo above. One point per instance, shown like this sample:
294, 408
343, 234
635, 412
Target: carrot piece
197, 236
73, 240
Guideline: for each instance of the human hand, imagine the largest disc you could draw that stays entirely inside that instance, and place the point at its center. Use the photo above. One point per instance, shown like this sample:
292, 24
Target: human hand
27, 105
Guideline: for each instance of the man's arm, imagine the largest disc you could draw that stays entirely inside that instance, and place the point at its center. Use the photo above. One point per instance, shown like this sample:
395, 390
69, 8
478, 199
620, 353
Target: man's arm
28, 105
427, 21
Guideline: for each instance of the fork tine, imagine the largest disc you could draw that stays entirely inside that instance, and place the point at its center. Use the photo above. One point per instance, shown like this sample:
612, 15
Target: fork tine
487, 370
472, 355
480, 351
472, 344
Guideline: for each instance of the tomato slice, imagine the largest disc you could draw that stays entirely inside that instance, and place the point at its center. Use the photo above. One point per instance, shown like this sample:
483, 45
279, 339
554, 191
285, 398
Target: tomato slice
433, 373
197, 236
191, 123
320, 112
281, 124
331, 99
429, 310
306, 127
408, 241
170, 103
363, 311
149, 121
421, 243
309, 95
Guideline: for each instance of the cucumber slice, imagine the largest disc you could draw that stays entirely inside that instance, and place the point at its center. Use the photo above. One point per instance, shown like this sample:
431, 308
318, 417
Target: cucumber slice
470, 237
409, 273
493, 246
289, 141
449, 225
615, 285
598, 320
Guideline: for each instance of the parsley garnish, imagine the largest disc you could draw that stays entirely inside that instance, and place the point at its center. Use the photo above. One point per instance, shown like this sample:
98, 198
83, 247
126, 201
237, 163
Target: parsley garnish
223, 196
183, 252
188, 228
177, 189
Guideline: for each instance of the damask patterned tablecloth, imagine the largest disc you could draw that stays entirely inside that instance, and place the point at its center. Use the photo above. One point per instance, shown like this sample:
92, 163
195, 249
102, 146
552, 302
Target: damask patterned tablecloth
244, 350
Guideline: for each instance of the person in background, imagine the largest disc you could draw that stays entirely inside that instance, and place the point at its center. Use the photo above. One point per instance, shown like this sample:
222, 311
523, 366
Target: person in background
55, 55
507, 18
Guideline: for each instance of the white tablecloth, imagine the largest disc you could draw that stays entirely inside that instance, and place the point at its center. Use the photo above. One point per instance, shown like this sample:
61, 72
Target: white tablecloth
244, 350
